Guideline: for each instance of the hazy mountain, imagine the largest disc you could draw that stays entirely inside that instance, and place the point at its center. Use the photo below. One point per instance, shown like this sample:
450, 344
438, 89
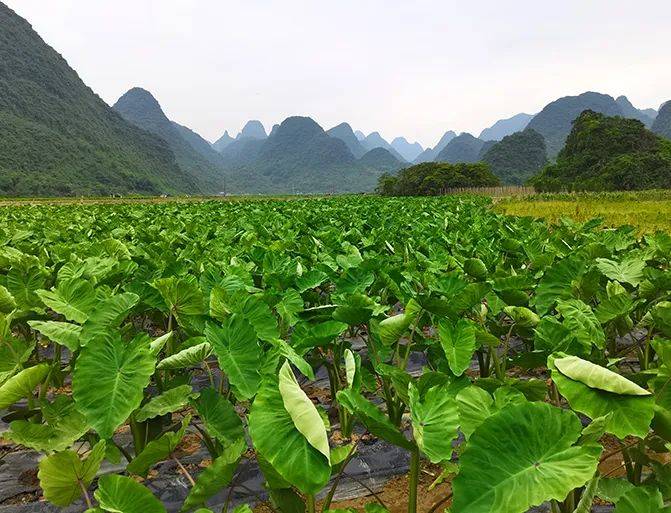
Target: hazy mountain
58, 137
504, 127
344, 132
430, 154
517, 157
253, 129
662, 124
300, 157
463, 148
274, 129
199, 144
649, 112
555, 121
359, 135
375, 140
380, 160
629, 111
222, 142
139, 107
609, 153
408, 151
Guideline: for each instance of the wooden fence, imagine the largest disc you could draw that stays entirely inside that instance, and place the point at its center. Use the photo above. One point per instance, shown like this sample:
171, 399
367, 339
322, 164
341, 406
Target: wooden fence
495, 192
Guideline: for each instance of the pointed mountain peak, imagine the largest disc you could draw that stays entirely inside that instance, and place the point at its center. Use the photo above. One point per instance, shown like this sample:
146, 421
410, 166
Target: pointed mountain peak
253, 129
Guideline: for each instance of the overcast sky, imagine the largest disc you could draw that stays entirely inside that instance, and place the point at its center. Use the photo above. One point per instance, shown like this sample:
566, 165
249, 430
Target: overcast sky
401, 67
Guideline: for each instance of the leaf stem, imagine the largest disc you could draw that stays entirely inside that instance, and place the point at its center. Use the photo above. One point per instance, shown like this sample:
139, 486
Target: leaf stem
184, 471
413, 480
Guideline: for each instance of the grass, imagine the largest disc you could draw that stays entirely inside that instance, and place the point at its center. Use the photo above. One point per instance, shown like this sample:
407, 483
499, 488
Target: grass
648, 211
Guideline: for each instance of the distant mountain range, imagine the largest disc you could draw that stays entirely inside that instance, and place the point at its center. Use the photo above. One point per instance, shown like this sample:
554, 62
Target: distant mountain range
59, 138
505, 127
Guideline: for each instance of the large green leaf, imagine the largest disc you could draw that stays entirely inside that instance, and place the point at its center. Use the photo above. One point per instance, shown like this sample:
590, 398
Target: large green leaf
108, 381
392, 328
458, 343
7, 301
168, 402
188, 357
475, 405
581, 321
21, 385
631, 414
63, 333
557, 283
305, 416
595, 376
108, 314
214, 477
236, 345
521, 457
119, 494
74, 299
371, 417
219, 417
64, 425
157, 450
628, 271
63, 475
641, 500
435, 420
276, 438
14, 353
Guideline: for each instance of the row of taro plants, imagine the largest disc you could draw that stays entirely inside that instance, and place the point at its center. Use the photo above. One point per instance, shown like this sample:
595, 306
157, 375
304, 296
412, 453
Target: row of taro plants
546, 350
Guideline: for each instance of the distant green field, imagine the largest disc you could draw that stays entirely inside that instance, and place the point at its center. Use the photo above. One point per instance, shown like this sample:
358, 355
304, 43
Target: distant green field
648, 211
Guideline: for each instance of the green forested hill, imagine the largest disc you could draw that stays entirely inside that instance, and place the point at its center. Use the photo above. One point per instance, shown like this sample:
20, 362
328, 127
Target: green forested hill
139, 107
517, 157
609, 153
59, 138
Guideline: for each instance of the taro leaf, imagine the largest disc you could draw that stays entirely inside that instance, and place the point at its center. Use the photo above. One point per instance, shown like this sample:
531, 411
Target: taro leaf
168, 402
219, 417
435, 420
119, 494
661, 314
251, 307
587, 497
305, 416
7, 301
557, 283
216, 476
399, 379
63, 333
595, 376
14, 353
108, 314
157, 450
277, 440
357, 310
310, 280
21, 385
551, 336
521, 457
109, 379
63, 475
186, 358
533, 389
289, 307
182, 296
64, 425
612, 490
475, 405
392, 328
74, 299
236, 346
641, 500
631, 414
306, 336
22, 280
614, 307
581, 321
628, 271
458, 342
370, 416
352, 366
290, 354
523, 317
470, 297
157, 345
